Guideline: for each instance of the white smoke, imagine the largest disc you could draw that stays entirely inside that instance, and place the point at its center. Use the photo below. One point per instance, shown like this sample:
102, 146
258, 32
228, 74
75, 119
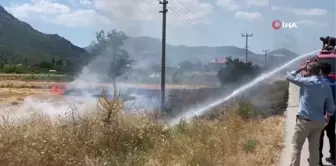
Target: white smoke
52, 108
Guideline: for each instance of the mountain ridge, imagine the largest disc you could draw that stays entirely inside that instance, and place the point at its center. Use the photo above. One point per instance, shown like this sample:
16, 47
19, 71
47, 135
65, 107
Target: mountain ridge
148, 48
20, 41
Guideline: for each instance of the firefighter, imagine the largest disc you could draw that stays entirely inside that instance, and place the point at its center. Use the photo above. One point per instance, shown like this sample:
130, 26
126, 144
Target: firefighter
328, 43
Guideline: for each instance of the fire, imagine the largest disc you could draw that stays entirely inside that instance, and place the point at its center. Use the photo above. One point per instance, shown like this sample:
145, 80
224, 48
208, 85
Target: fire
57, 89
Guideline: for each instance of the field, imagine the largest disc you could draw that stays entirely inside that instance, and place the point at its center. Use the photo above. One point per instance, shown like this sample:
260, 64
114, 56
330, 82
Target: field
49, 84
238, 134
34, 77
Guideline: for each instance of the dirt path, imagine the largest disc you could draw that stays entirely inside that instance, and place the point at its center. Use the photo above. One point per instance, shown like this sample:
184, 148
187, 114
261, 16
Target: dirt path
291, 112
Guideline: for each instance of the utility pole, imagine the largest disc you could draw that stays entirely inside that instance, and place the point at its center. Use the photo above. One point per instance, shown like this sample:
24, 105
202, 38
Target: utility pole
246, 46
163, 58
265, 51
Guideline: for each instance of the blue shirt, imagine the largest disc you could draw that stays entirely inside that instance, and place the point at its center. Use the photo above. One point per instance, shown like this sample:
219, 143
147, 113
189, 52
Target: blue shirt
315, 96
332, 84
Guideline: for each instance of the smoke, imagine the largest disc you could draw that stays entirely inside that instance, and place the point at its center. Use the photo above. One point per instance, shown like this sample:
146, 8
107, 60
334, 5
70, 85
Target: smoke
287, 40
50, 108
95, 72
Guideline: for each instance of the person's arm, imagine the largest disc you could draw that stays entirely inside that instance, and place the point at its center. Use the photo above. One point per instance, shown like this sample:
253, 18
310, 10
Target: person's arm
330, 105
293, 78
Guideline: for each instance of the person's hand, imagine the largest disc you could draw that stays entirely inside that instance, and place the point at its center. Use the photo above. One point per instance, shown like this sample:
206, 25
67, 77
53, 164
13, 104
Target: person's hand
327, 118
303, 67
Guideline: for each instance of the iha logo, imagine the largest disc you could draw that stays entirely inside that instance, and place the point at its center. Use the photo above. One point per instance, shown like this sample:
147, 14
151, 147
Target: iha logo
277, 24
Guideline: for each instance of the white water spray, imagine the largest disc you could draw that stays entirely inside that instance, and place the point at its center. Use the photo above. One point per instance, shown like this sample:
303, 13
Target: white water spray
191, 113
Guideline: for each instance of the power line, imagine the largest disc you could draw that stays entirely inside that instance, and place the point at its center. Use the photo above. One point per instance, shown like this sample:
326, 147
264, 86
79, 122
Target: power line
246, 46
195, 6
186, 14
189, 12
180, 18
184, 20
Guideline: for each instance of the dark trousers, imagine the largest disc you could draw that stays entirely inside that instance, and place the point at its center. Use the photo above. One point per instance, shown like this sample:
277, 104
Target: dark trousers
330, 130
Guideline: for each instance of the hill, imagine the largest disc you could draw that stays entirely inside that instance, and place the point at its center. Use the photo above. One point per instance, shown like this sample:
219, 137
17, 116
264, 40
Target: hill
149, 49
19, 41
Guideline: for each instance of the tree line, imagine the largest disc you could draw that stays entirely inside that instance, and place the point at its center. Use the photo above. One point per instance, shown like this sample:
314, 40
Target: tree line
107, 44
110, 46
59, 65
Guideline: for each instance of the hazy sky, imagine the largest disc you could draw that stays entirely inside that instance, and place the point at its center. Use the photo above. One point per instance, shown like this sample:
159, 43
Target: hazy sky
190, 22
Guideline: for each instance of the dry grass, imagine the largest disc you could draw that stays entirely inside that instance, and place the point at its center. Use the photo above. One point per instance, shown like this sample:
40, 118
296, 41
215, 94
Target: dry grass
49, 84
26, 84
114, 138
139, 140
14, 95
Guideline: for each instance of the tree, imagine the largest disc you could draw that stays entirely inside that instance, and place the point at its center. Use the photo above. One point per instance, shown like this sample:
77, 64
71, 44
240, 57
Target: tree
186, 65
198, 66
110, 46
45, 65
53, 61
59, 63
177, 77
25, 62
237, 72
68, 63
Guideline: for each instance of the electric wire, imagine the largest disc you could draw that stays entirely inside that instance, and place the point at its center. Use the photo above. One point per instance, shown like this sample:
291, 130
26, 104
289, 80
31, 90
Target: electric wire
178, 14
187, 11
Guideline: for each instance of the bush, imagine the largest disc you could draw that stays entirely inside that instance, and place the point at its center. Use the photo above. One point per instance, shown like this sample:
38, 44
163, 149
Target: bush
9, 68
250, 145
246, 110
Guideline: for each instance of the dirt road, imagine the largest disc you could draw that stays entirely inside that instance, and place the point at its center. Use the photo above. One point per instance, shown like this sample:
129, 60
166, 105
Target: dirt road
293, 102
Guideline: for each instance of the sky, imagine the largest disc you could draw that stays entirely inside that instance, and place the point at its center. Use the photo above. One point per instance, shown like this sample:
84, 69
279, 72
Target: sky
189, 22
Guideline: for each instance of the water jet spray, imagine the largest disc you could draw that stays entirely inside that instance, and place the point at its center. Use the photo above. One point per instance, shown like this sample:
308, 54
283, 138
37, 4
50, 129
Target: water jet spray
192, 113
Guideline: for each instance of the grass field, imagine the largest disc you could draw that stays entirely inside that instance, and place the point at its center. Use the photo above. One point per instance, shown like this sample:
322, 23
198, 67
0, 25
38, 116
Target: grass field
237, 136
140, 141
36, 77
27, 75
49, 84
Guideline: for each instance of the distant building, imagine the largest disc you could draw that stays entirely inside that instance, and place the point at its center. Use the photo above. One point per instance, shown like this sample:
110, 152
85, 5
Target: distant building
217, 63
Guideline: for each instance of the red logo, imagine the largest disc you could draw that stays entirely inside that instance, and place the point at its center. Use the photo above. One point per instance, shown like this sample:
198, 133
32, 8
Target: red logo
276, 24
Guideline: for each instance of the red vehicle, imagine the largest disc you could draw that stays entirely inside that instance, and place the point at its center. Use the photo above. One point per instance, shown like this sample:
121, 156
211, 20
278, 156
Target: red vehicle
328, 57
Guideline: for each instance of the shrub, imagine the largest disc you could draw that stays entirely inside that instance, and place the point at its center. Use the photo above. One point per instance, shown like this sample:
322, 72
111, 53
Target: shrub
250, 145
247, 110
9, 68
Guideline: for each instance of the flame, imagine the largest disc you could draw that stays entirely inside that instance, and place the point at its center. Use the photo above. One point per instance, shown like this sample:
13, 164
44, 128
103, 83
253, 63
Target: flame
57, 89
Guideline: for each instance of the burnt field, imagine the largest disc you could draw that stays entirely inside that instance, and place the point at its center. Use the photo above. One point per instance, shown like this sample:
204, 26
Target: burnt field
179, 98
